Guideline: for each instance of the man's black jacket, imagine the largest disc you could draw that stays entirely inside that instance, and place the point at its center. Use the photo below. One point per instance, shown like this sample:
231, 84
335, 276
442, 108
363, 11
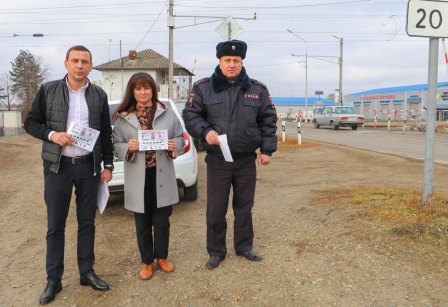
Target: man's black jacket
49, 112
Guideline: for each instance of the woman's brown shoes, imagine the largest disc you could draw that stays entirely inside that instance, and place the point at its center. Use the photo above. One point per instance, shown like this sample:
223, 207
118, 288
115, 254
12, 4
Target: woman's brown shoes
165, 265
146, 271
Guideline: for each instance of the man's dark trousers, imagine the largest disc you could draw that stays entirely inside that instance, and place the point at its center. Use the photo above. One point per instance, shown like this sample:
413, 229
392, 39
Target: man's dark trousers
58, 192
221, 176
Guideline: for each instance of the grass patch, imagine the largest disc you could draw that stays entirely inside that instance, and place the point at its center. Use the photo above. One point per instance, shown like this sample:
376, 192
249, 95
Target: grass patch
399, 211
293, 143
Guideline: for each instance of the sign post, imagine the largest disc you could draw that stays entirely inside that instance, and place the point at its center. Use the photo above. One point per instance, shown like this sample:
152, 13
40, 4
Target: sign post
429, 19
388, 121
283, 131
229, 29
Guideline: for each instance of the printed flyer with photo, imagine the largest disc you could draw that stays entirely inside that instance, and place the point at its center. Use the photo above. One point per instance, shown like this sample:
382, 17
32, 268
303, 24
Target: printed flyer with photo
153, 139
85, 137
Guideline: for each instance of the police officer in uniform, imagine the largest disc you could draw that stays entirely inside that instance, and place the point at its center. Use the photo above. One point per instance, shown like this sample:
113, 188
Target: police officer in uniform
231, 103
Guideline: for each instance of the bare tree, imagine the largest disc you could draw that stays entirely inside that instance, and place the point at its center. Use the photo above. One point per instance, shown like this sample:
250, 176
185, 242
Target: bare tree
26, 77
6, 95
44, 67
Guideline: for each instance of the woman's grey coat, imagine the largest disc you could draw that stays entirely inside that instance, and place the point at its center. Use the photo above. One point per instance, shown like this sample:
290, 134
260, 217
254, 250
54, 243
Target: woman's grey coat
126, 127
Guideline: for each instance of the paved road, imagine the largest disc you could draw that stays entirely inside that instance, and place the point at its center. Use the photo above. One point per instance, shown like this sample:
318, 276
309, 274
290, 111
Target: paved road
409, 144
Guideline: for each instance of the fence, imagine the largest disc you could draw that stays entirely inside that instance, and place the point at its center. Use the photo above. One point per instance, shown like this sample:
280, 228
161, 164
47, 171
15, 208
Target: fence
295, 116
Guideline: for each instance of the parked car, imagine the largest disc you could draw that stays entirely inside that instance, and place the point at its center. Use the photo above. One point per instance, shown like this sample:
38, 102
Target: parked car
337, 116
185, 165
180, 104
291, 117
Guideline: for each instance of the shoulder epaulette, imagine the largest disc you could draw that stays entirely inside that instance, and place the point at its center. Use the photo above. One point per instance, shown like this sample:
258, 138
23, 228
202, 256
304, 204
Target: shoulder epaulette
201, 81
258, 83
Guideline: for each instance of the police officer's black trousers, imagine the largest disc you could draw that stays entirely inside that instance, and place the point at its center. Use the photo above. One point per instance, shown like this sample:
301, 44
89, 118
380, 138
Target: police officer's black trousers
221, 176
58, 193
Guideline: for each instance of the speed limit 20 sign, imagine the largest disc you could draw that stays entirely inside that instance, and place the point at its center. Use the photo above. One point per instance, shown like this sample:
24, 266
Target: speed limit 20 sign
427, 18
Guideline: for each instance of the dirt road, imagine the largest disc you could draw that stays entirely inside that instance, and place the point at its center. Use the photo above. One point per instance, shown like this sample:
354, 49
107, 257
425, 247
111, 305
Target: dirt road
314, 255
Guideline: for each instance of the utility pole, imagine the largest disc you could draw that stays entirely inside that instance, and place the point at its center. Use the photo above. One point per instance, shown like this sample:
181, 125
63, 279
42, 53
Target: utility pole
122, 72
341, 61
171, 61
110, 41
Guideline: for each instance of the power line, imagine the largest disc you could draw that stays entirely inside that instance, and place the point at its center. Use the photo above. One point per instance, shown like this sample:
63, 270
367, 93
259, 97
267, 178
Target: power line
276, 7
134, 20
252, 66
81, 7
150, 28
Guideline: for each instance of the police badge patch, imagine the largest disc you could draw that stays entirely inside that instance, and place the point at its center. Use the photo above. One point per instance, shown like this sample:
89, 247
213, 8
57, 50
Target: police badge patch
190, 100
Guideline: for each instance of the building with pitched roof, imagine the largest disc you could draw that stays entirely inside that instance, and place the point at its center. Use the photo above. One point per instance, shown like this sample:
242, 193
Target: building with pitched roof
116, 73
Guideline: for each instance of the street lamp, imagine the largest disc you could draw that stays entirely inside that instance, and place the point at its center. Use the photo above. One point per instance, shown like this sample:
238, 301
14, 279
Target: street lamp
341, 48
306, 66
306, 79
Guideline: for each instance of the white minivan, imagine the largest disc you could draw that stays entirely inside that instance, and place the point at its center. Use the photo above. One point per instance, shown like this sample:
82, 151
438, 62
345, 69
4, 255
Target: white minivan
185, 165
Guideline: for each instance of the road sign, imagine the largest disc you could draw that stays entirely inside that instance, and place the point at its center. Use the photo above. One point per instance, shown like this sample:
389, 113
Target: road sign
229, 29
427, 18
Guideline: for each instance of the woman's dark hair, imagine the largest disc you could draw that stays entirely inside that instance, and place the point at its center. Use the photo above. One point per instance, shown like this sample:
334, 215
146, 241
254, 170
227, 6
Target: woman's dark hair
129, 103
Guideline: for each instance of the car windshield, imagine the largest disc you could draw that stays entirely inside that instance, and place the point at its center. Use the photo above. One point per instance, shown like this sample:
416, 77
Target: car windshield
344, 110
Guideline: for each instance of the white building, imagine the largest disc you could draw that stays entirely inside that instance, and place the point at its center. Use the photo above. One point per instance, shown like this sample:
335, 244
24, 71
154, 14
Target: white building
116, 74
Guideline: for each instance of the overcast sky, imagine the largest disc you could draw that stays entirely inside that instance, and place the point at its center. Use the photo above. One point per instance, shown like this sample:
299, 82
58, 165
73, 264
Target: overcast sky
377, 51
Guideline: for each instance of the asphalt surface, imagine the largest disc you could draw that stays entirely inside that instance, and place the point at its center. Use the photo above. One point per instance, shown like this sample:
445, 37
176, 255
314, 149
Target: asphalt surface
409, 144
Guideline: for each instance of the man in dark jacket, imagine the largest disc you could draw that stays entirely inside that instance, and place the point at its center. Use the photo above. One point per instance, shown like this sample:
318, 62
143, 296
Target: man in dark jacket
231, 105
58, 104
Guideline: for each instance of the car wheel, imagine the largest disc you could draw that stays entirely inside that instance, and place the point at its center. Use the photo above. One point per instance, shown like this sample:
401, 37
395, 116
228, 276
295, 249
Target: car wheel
191, 193
334, 126
316, 125
354, 127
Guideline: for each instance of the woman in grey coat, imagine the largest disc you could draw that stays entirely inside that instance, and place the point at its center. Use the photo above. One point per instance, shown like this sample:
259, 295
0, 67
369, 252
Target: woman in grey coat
149, 180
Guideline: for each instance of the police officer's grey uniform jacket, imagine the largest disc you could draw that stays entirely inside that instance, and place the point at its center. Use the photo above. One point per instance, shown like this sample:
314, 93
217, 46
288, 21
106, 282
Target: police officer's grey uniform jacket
242, 109
49, 112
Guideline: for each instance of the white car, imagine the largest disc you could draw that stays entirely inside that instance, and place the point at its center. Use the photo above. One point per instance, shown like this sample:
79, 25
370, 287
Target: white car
337, 116
185, 165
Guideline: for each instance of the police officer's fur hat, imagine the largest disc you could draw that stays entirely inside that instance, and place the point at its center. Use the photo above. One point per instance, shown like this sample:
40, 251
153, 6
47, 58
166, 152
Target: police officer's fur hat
232, 48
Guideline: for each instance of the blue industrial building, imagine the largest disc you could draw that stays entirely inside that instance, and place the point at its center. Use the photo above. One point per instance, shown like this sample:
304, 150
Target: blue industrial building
399, 103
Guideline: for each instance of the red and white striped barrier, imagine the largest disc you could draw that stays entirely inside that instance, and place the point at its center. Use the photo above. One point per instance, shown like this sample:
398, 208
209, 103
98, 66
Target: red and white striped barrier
398, 111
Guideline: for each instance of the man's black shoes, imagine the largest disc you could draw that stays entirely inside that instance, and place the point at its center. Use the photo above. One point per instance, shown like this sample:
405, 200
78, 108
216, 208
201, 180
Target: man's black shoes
250, 255
55, 286
52, 288
214, 261
91, 279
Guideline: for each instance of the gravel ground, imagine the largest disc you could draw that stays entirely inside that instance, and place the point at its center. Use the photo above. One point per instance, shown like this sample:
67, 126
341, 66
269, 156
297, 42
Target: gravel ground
314, 254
